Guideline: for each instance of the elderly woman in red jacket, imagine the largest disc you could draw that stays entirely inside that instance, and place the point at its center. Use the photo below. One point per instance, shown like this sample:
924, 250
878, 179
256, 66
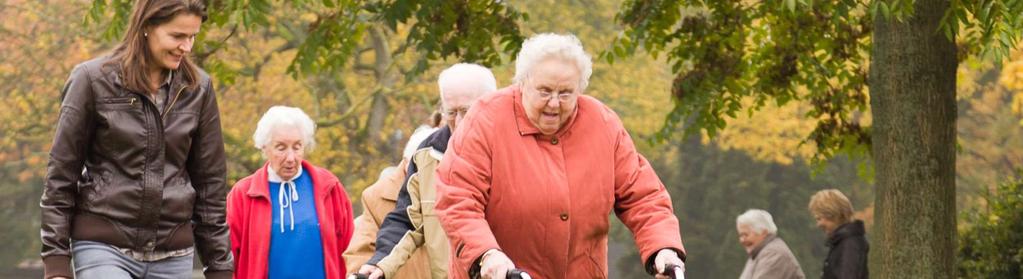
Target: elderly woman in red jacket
290, 219
531, 180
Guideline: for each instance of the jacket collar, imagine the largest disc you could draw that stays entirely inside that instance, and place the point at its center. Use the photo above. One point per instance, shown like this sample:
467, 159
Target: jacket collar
438, 140
260, 185
396, 178
273, 177
756, 250
114, 71
527, 128
851, 229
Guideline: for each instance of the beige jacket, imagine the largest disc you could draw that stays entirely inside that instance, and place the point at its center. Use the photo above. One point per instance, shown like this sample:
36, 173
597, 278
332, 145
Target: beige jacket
427, 231
377, 200
772, 260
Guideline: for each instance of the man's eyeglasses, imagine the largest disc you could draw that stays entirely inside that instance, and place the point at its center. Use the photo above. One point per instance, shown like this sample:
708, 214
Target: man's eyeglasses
451, 113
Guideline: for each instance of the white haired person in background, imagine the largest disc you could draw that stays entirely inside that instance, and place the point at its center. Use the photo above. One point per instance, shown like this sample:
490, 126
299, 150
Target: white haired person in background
769, 256
536, 168
412, 224
290, 218
378, 200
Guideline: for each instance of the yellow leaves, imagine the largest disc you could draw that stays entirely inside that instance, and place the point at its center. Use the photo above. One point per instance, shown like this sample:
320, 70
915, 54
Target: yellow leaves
771, 134
1012, 79
1012, 75
993, 219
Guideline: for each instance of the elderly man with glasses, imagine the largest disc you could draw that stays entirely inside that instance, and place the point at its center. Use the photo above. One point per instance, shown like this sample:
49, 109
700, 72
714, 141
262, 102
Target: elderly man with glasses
413, 223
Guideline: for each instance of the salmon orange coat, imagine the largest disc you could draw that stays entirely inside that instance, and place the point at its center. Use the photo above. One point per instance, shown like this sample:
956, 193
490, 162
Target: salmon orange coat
545, 201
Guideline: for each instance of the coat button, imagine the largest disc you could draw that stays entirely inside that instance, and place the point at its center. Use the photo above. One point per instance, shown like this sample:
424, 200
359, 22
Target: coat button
554, 141
564, 216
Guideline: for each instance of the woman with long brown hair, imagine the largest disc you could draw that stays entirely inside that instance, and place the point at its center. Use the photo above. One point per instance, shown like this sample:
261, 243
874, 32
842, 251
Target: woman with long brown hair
136, 176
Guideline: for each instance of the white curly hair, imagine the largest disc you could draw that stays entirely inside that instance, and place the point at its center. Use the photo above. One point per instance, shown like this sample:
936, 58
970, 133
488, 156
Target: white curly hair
758, 220
550, 45
283, 116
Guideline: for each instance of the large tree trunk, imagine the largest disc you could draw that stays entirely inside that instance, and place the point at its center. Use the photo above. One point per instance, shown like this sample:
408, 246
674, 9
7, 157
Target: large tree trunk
912, 86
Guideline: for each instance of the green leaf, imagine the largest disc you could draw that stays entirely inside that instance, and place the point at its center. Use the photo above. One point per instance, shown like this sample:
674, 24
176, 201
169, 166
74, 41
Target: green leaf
885, 11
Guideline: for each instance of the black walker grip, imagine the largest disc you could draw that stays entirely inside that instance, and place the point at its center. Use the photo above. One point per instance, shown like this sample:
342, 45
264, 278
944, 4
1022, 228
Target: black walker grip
358, 276
673, 271
517, 274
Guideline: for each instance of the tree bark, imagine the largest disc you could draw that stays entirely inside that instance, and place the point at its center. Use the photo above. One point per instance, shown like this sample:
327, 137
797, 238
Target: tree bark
912, 86
385, 78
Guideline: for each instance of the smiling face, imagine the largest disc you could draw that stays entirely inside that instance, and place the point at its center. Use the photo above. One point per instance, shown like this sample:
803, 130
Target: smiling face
550, 94
285, 150
171, 41
749, 238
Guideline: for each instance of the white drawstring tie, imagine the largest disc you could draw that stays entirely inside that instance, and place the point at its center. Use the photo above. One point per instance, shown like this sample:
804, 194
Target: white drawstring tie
287, 201
287, 195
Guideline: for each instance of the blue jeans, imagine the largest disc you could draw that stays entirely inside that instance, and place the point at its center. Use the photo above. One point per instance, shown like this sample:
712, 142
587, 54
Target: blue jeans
98, 260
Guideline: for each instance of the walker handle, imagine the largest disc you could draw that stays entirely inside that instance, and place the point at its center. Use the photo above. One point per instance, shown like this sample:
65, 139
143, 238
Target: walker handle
674, 271
518, 274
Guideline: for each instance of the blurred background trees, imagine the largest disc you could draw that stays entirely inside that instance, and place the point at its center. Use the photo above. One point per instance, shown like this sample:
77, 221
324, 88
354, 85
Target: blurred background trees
366, 72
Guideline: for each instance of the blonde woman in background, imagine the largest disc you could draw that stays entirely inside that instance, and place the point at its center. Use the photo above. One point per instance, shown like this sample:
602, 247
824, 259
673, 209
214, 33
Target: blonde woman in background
847, 240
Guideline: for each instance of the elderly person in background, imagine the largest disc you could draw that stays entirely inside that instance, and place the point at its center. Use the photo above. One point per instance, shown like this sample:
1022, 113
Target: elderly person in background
847, 240
413, 224
289, 219
769, 256
379, 199
530, 179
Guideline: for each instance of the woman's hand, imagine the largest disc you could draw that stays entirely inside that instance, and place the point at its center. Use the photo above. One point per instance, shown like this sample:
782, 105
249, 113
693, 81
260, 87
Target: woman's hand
495, 265
667, 257
372, 271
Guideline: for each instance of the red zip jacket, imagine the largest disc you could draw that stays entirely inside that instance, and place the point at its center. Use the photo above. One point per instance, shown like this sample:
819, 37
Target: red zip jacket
249, 216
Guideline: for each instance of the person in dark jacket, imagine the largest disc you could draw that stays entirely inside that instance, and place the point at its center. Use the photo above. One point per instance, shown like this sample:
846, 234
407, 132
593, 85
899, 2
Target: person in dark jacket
412, 224
137, 168
847, 240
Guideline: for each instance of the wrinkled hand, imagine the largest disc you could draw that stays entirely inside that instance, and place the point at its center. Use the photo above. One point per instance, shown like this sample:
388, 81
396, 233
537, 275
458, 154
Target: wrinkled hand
495, 265
665, 257
373, 271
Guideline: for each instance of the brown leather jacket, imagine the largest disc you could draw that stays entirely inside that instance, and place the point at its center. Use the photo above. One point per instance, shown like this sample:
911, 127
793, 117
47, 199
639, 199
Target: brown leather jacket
122, 173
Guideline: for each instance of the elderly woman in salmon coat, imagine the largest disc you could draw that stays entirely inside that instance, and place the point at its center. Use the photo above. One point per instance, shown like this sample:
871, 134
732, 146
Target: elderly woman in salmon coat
531, 184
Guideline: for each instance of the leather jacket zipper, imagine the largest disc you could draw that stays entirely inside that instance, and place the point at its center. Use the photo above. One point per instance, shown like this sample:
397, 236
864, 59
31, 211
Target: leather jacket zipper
163, 116
130, 101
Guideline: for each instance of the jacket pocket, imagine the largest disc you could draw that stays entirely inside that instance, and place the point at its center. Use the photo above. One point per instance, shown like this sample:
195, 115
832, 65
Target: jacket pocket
178, 200
121, 124
86, 188
118, 103
596, 269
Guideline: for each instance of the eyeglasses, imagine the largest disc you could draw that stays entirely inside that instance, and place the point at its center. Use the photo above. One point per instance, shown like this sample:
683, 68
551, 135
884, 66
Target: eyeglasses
563, 97
452, 113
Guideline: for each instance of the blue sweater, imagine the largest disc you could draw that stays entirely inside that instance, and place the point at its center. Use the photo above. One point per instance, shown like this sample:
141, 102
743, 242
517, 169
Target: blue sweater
295, 253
